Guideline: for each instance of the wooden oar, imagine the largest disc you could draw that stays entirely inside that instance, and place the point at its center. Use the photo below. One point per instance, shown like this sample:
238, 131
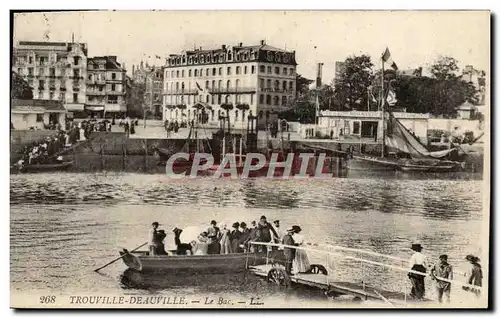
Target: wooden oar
135, 249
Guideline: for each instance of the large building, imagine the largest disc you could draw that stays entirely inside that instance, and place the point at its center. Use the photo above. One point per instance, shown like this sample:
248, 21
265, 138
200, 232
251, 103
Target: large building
54, 70
260, 77
152, 79
106, 87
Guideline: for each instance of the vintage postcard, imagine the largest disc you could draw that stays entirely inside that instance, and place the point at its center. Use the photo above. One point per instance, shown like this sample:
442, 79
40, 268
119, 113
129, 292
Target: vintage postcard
250, 159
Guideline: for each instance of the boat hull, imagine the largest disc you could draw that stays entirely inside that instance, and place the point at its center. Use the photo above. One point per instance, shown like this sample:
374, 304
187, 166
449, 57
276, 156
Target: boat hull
46, 167
177, 264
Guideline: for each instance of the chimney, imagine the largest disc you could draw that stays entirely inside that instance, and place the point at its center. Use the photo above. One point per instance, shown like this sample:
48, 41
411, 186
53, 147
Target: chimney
262, 42
201, 48
241, 44
223, 46
319, 75
142, 65
133, 69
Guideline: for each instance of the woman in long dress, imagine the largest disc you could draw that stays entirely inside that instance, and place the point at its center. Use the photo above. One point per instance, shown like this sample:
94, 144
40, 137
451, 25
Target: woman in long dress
475, 274
418, 264
301, 261
225, 240
201, 247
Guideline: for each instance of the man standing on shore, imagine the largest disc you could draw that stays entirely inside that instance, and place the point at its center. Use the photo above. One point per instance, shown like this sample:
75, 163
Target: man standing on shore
442, 270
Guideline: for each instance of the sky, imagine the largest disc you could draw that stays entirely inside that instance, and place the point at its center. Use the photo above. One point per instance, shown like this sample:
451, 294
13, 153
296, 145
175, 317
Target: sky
414, 38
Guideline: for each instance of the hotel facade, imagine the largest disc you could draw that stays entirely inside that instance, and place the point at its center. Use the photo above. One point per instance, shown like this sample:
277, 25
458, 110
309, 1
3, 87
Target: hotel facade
256, 80
54, 70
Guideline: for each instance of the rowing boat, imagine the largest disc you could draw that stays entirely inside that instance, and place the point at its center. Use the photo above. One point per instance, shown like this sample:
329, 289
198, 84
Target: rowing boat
173, 264
43, 167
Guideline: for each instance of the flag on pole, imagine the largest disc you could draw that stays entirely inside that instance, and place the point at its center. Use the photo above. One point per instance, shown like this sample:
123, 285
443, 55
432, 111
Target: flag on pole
391, 98
199, 87
386, 57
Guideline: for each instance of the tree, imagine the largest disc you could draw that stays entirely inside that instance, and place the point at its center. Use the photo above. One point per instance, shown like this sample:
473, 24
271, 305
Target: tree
351, 87
20, 88
445, 68
302, 85
135, 99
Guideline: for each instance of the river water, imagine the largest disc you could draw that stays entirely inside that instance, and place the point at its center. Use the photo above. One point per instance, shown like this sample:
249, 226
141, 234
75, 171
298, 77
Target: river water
65, 225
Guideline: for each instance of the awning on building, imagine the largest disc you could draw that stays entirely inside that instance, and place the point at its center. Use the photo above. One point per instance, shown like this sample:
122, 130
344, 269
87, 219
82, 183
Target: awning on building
94, 108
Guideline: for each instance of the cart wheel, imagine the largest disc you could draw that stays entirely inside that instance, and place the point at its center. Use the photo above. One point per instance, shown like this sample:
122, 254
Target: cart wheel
278, 276
318, 269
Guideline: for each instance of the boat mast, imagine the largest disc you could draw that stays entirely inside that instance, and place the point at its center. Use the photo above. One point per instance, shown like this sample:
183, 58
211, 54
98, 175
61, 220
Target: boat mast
383, 109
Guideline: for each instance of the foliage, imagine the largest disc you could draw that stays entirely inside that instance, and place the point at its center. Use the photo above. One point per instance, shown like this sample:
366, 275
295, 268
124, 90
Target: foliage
351, 86
20, 88
445, 68
135, 99
302, 85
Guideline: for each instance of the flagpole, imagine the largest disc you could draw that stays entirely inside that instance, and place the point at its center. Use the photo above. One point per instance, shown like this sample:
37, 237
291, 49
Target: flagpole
383, 111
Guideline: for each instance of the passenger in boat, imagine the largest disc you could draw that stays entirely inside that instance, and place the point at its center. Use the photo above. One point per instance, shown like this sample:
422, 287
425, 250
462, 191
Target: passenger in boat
301, 261
152, 236
442, 270
200, 247
182, 248
213, 234
289, 253
235, 238
245, 233
253, 235
417, 263
225, 240
159, 245
280, 234
475, 275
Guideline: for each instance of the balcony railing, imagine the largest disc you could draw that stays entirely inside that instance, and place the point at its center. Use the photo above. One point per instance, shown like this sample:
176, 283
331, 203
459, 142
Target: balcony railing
115, 93
276, 90
96, 93
181, 92
232, 90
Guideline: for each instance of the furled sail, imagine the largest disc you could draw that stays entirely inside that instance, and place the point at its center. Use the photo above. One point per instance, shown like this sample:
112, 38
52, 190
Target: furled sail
400, 138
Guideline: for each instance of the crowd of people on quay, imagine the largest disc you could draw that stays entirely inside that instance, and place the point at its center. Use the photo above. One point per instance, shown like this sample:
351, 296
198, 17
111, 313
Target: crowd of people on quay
236, 239
44, 151
439, 271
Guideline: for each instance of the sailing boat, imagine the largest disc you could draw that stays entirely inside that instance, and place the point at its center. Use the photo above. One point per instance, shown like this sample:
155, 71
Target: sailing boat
411, 154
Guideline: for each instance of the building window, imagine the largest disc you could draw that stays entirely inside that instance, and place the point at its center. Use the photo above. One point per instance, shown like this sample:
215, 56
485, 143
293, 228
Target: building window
277, 85
51, 95
41, 72
262, 69
276, 100
30, 71
268, 84
41, 84
245, 69
62, 96
290, 86
220, 84
75, 97
283, 100
228, 84
201, 72
182, 86
207, 85
207, 72
189, 99
261, 98
213, 102
277, 70
177, 86
195, 73
261, 83
30, 60
182, 73
236, 115
213, 84
237, 83
39, 118
229, 56
291, 71
219, 100
269, 70
76, 60
355, 127
213, 113
238, 70
253, 69
285, 71
207, 99
52, 72
189, 73
229, 70
214, 71
284, 85
268, 99
228, 99
172, 74
251, 99
113, 76
220, 70
261, 113
113, 87
177, 74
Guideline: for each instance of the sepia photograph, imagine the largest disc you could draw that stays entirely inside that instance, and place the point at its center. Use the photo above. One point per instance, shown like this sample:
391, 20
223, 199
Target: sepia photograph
250, 159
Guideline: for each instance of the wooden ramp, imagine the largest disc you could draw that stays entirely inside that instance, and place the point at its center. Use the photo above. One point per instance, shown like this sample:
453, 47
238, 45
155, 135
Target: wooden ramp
327, 283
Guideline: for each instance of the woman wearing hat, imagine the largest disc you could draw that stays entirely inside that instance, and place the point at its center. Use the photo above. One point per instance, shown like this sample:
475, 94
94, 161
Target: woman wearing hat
235, 237
475, 274
418, 264
301, 261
